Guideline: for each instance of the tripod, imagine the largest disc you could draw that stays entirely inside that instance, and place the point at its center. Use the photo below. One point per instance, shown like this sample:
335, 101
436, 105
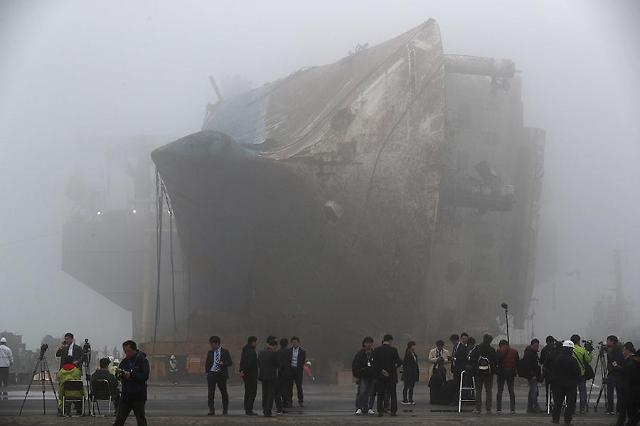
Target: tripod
41, 368
602, 363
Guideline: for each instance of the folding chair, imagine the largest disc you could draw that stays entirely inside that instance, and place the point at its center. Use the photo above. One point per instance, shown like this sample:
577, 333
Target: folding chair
100, 391
72, 386
472, 388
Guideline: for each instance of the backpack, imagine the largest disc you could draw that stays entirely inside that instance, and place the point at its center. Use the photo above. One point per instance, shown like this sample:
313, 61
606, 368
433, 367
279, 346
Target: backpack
484, 366
522, 369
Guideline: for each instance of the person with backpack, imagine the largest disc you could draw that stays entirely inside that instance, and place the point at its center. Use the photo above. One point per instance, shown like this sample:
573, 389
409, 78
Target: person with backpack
529, 368
584, 359
565, 374
507, 360
546, 356
484, 360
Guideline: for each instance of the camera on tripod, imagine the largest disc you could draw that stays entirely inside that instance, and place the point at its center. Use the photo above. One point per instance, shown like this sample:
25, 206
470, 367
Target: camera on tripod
588, 345
43, 349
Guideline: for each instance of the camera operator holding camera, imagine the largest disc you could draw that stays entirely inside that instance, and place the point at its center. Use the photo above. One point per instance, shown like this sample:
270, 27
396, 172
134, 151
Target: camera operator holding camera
583, 356
133, 371
69, 352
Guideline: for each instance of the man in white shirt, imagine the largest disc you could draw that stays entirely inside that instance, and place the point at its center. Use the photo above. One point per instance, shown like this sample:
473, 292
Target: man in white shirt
69, 352
298, 357
6, 359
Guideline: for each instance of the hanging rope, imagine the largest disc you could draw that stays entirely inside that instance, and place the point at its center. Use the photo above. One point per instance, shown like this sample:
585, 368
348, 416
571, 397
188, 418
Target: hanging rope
159, 202
173, 273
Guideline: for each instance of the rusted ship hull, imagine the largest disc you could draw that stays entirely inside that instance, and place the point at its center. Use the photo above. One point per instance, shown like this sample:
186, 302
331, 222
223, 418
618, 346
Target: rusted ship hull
309, 206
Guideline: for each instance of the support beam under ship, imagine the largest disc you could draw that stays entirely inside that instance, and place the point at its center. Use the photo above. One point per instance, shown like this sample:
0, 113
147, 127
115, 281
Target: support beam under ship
309, 206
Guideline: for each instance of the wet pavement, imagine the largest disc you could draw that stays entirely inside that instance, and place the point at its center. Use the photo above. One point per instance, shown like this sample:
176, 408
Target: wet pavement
325, 405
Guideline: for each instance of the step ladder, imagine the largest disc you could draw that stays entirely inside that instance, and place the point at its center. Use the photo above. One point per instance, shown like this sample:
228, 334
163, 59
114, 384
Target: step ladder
471, 388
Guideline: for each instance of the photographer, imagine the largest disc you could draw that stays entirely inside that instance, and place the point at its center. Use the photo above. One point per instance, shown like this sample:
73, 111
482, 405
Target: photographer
531, 372
133, 373
439, 352
69, 352
615, 360
583, 357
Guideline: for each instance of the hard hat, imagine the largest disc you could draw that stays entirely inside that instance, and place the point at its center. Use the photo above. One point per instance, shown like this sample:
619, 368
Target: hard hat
3, 340
568, 344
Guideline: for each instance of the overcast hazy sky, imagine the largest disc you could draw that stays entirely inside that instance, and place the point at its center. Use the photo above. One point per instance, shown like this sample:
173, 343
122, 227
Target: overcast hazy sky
78, 76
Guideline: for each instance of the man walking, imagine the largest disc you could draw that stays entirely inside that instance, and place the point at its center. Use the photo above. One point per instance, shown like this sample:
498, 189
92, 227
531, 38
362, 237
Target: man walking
298, 357
484, 361
386, 361
362, 368
134, 370
583, 357
268, 374
507, 361
216, 367
531, 371
565, 374
249, 373
6, 359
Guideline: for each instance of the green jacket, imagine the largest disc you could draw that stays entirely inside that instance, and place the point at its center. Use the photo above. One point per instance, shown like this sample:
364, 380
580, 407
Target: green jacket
63, 376
582, 356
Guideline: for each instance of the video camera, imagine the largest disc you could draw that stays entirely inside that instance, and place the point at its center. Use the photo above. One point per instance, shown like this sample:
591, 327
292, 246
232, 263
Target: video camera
43, 349
588, 345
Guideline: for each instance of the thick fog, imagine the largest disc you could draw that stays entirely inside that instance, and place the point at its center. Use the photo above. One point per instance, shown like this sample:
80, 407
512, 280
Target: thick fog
79, 78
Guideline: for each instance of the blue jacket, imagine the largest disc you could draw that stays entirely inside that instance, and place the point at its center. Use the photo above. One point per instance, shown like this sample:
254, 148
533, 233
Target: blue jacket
135, 388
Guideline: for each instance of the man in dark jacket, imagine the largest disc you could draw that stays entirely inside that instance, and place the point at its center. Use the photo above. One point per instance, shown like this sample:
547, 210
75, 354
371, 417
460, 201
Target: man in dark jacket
546, 356
217, 369
531, 372
386, 361
103, 373
615, 360
297, 358
507, 361
362, 368
484, 360
249, 373
564, 377
134, 373
460, 355
284, 377
268, 374
628, 407
69, 352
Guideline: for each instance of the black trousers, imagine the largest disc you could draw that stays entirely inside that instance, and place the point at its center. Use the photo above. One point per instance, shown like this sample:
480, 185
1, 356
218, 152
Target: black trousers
283, 394
125, 407
407, 390
269, 388
213, 380
297, 374
250, 392
560, 392
484, 381
507, 376
386, 390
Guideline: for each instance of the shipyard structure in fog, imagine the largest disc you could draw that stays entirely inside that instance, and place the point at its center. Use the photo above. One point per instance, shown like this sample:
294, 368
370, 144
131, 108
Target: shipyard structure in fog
396, 190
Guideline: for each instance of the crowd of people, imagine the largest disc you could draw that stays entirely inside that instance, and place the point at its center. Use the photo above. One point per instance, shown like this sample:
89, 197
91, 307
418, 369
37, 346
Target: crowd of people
563, 366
